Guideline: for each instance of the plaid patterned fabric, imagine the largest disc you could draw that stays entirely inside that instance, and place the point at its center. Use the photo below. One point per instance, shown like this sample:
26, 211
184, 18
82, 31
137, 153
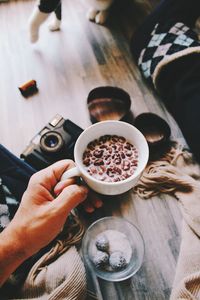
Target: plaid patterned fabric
165, 41
7, 203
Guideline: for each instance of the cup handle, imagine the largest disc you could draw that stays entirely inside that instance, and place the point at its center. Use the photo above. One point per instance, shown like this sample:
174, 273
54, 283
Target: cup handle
73, 172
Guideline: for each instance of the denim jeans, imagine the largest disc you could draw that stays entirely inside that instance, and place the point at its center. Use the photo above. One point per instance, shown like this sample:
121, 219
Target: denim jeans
14, 173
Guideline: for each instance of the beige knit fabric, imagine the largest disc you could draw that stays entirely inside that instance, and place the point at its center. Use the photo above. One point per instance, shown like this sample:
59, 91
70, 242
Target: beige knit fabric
60, 273
187, 279
62, 279
176, 174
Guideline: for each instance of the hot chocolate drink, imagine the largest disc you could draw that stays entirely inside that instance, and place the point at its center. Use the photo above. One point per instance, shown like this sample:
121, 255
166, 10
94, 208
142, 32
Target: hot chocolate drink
110, 158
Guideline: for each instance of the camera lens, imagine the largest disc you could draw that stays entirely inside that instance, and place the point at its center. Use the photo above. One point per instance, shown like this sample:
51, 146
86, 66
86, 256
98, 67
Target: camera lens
51, 142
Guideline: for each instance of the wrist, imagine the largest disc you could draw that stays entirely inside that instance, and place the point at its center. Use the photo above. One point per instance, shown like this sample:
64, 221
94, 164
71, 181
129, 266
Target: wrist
12, 253
12, 241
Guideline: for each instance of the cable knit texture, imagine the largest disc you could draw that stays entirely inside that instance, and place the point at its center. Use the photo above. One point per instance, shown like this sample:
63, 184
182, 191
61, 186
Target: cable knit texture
64, 278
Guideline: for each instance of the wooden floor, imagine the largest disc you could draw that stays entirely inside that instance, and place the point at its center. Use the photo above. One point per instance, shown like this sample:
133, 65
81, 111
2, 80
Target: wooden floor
66, 66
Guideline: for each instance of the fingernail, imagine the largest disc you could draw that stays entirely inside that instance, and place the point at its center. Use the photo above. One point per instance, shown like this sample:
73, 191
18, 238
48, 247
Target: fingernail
89, 209
98, 203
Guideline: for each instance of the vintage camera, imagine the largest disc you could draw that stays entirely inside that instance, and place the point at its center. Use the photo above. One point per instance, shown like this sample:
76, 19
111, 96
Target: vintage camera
54, 142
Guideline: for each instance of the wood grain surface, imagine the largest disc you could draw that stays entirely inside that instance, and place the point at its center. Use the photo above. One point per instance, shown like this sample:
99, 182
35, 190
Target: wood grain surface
67, 65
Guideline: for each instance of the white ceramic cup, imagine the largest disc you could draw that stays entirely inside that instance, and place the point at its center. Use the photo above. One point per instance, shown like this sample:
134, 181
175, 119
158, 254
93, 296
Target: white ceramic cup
131, 134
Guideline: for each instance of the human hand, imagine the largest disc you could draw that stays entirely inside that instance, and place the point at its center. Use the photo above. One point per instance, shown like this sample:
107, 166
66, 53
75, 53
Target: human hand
92, 202
41, 215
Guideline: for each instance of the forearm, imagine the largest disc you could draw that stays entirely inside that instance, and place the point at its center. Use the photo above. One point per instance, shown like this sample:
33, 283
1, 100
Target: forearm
12, 254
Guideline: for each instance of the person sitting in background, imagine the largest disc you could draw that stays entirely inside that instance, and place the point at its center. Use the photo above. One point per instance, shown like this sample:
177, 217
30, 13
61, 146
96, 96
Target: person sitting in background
40, 13
167, 51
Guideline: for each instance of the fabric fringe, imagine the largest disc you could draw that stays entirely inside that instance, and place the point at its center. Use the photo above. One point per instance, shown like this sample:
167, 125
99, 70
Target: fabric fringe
166, 174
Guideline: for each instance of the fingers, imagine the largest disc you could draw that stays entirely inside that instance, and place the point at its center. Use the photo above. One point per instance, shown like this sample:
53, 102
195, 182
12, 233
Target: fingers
62, 184
88, 207
93, 202
68, 194
61, 166
49, 176
70, 197
95, 199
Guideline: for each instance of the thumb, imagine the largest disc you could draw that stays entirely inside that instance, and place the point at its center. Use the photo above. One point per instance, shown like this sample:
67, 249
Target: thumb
70, 197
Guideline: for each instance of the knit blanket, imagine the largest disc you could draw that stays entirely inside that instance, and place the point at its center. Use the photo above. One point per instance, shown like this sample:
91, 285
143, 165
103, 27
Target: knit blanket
177, 174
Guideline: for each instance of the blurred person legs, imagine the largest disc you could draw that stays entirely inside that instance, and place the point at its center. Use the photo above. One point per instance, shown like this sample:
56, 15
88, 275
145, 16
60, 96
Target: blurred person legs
39, 15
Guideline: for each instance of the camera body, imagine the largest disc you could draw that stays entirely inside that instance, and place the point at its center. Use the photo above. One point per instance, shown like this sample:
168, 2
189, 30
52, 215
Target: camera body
54, 142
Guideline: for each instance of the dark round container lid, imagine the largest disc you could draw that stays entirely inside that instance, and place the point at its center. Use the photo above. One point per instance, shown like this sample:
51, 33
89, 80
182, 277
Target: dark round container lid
155, 129
108, 103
